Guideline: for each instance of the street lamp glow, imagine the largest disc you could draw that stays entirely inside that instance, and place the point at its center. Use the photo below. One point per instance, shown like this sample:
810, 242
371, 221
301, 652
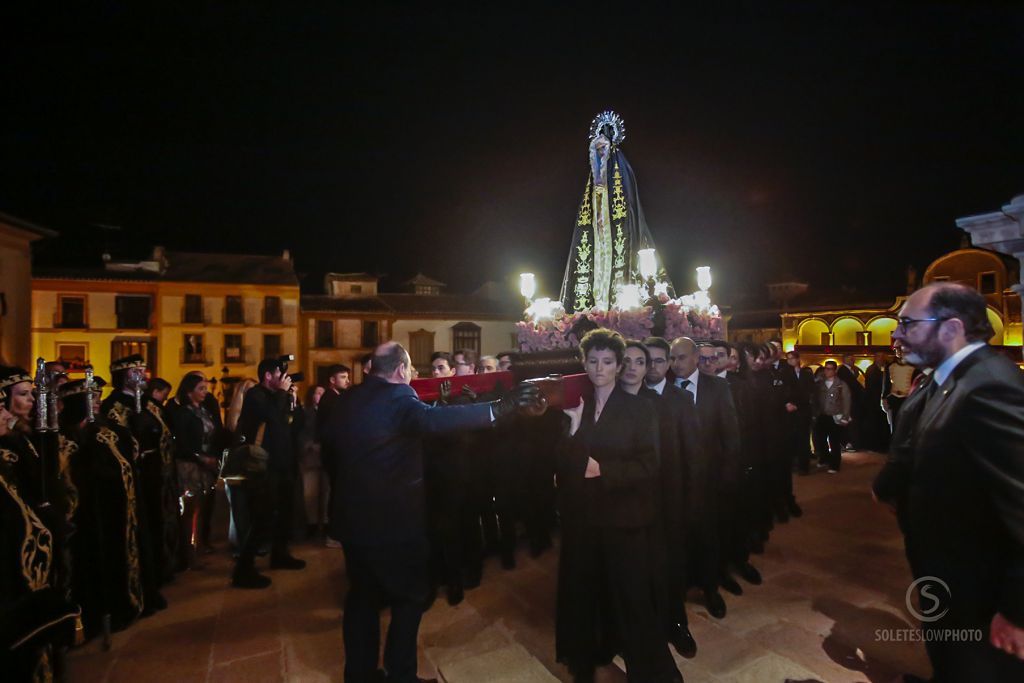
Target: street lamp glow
647, 262
704, 278
527, 285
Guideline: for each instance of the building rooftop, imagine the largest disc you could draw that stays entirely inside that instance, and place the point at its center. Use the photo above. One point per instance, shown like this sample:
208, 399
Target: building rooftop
184, 266
404, 305
257, 269
22, 224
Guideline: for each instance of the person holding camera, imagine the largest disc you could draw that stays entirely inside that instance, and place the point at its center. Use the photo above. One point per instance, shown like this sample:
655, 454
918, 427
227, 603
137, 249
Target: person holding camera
265, 422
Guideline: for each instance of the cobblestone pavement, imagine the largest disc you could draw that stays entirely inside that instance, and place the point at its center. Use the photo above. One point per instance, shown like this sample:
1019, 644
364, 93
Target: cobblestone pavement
835, 580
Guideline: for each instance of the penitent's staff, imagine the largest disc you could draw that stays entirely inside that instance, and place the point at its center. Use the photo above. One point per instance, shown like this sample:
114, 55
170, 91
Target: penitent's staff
48, 444
91, 389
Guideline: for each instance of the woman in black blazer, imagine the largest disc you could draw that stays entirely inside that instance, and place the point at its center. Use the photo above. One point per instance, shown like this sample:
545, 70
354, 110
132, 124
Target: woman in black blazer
607, 473
195, 432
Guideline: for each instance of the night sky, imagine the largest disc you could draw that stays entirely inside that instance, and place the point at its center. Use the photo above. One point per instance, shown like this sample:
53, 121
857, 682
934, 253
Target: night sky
830, 141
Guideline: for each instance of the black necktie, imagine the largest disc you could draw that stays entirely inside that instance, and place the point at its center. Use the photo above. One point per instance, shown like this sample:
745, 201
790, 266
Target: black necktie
683, 383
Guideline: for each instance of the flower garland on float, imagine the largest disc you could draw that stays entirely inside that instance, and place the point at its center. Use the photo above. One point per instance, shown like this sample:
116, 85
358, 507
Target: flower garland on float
641, 311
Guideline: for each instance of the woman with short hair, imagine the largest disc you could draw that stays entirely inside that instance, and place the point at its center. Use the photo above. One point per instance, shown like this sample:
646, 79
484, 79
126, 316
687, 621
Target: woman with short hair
607, 578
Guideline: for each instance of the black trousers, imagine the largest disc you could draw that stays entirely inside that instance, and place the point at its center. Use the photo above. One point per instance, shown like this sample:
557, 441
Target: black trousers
269, 503
394, 576
799, 440
828, 441
609, 601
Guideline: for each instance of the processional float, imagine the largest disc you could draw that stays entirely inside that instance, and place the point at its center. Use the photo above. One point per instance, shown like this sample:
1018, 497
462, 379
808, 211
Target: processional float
614, 278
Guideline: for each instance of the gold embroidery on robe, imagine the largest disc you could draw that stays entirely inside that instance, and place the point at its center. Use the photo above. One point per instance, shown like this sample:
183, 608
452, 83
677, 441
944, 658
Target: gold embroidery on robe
68, 448
43, 671
618, 198
584, 216
109, 438
36, 547
8, 456
166, 438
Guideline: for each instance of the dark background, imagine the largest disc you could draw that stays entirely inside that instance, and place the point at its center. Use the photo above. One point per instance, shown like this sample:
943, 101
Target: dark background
830, 141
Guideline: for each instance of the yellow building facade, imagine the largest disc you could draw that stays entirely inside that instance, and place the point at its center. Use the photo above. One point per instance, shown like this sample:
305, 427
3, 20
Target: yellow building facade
832, 330
182, 311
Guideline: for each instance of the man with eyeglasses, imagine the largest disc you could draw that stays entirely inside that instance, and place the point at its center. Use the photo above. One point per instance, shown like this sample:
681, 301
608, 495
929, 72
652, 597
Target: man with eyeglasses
955, 476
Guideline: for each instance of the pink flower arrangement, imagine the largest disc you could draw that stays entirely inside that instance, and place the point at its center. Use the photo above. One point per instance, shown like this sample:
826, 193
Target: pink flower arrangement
682, 319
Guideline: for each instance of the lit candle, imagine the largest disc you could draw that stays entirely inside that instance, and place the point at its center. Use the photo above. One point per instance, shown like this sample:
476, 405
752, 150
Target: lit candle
543, 309
647, 262
629, 297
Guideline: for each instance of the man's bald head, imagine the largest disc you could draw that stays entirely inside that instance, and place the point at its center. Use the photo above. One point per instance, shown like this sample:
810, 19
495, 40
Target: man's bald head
683, 357
389, 361
952, 300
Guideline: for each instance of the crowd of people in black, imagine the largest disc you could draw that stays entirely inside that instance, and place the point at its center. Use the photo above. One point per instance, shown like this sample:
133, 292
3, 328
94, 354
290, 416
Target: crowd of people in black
105, 501
674, 489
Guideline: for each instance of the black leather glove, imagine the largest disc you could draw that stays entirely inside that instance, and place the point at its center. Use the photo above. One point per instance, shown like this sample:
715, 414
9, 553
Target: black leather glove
524, 395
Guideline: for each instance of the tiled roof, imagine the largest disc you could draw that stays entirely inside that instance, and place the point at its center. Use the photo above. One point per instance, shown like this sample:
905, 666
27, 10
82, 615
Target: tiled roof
183, 266
334, 304
257, 269
26, 226
94, 274
351, 277
442, 306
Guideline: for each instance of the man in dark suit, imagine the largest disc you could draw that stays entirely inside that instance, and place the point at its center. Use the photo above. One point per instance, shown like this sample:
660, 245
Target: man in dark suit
875, 425
800, 419
782, 404
720, 437
679, 446
375, 429
265, 420
955, 476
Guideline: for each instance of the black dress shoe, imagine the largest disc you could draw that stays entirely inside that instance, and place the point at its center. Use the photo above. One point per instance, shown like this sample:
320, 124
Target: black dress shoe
730, 584
749, 573
472, 578
249, 578
455, 593
287, 562
508, 560
715, 604
794, 509
538, 546
682, 640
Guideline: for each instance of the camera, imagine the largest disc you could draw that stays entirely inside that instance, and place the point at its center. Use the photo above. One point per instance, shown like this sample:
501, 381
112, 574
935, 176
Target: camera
298, 377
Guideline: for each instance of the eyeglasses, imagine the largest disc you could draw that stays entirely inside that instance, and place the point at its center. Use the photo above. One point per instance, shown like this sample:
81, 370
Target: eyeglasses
708, 359
904, 323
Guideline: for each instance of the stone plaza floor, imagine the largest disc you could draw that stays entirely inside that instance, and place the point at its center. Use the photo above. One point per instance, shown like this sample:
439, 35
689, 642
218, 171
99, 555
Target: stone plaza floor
833, 579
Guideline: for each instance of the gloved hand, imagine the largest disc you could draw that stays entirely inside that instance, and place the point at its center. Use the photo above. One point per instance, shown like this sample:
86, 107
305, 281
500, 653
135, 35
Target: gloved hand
524, 396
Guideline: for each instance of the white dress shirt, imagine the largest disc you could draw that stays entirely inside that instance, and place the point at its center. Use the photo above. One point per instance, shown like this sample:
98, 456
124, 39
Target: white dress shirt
692, 386
659, 387
947, 366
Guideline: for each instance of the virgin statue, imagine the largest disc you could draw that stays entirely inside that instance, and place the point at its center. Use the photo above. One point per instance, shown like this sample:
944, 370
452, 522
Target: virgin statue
610, 226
